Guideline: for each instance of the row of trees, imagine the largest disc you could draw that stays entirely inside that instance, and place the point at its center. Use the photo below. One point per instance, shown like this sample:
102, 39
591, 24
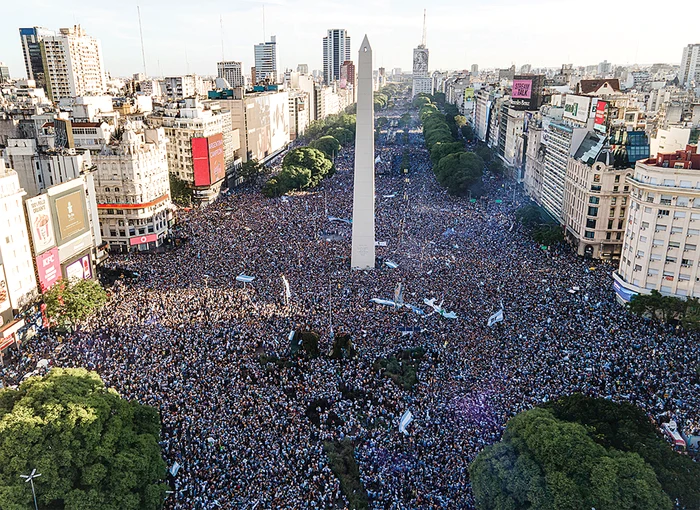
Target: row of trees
667, 309
305, 167
454, 167
540, 226
581, 453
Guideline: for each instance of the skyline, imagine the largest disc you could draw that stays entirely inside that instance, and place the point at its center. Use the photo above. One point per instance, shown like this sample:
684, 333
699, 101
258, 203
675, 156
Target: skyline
178, 41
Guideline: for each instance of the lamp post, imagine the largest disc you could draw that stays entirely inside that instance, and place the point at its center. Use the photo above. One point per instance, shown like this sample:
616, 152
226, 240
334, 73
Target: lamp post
30, 478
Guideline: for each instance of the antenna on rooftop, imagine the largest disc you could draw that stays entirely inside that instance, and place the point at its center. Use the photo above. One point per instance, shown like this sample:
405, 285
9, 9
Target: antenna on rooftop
143, 52
423, 40
221, 20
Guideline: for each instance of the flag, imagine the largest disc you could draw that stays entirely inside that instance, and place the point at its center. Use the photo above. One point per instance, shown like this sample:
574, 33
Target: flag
245, 279
398, 294
496, 317
390, 264
175, 468
287, 292
406, 420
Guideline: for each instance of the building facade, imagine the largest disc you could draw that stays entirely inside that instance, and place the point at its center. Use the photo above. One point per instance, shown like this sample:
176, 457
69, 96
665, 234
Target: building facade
336, 51
31, 49
660, 250
232, 72
133, 189
690, 66
266, 62
422, 82
72, 64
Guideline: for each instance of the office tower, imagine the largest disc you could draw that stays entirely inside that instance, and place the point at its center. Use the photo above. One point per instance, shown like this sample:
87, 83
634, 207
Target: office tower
232, 72
266, 61
336, 50
31, 49
303, 68
72, 64
690, 65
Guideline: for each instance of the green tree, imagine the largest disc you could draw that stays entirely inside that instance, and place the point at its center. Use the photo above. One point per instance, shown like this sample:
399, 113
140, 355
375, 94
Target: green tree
251, 170
420, 100
180, 192
94, 450
328, 145
460, 120
69, 302
467, 132
485, 153
442, 149
312, 159
459, 172
496, 166
439, 99
341, 458
381, 122
544, 462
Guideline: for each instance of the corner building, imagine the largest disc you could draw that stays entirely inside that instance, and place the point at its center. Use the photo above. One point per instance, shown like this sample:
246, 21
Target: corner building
660, 250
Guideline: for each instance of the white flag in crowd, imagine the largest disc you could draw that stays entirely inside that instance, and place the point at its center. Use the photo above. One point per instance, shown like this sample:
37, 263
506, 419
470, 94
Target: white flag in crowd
287, 292
496, 317
406, 420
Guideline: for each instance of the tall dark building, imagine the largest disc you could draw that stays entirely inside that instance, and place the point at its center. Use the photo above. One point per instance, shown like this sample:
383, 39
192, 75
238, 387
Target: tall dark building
31, 48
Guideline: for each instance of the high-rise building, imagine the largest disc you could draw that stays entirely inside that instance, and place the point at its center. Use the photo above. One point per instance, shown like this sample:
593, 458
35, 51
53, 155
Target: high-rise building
232, 72
336, 50
347, 74
266, 61
660, 250
690, 65
474, 70
180, 87
4, 73
31, 48
604, 68
72, 64
303, 68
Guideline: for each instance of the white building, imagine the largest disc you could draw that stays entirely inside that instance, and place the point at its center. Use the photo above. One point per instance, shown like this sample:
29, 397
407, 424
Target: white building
266, 61
133, 189
17, 274
298, 113
181, 87
336, 50
232, 72
422, 82
660, 250
690, 66
73, 64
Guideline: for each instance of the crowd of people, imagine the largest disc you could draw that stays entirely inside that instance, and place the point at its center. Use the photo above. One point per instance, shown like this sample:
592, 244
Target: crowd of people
189, 339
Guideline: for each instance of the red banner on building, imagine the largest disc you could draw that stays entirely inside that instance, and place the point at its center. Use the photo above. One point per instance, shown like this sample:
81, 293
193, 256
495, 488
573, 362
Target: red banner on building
200, 160
150, 238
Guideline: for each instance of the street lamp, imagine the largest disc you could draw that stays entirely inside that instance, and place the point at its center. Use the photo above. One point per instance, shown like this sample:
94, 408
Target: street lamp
30, 478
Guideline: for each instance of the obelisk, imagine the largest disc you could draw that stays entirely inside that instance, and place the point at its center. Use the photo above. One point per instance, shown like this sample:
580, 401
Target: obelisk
363, 189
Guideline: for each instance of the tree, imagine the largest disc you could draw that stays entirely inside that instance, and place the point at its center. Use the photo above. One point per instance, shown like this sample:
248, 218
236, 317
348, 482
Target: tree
459, 171
467, 132
180, 192
420, 100
439, 98
442, 149
460, 120
328, 145
496, 166
94, 450
251, 169
341, 459
69, 302
312, 159
405, 120
381, 122
544, 462
485, 153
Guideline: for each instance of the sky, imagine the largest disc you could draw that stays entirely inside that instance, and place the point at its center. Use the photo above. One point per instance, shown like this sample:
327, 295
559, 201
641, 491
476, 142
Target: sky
183, 36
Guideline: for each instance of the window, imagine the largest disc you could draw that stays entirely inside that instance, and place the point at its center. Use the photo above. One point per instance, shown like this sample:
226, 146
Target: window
637, 267
679, 214
608, 236
618, 236
592, 211
617, 179
594, 200
590, 223
676, 230
596, 178
660, 228
690, 247
616, 189
669, 182
650, 198
674, 244
624, 200
645, 224
682, 201
686, 263
622, 211
669, 275
658, 242
663, 212
652, 272
647, 210
620, 224
686, 184
610, 225
665, 200
595, 188
642, 239
693, 232
695, 216
612, 212
589, 234
613, 200
671, 260
655, 257
640, 253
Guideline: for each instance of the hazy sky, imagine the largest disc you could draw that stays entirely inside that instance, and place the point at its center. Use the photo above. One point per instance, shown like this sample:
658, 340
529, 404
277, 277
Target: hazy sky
182, 36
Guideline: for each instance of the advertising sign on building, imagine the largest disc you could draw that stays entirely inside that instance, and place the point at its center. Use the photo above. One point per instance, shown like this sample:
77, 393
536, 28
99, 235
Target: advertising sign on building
522, 89
469, 94
200, 160
150, 238
217, 168
40, 223
71, 215
80, 269
49, 269
4, 292
577, 107
601, 117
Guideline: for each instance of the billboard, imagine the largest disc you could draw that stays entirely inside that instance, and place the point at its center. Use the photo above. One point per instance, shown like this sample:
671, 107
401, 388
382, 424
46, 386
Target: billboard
150, 238
469, 94
80, 269
200, 160
601, 117
217, 168
522, 89
40, 223
70, 214
49, 269
577, 107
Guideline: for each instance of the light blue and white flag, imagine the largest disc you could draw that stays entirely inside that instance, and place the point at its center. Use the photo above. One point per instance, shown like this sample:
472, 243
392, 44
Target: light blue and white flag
496, 317
406, 420
245, 279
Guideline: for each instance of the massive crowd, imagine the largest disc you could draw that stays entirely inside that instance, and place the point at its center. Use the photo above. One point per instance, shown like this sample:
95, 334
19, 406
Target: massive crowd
188, 338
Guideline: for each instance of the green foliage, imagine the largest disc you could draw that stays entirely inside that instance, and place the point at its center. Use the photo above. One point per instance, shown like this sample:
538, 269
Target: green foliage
328, 145
381, 122
548, 235
94, 450
540, 226
405, 120
251, 170
309, 342
180, 192
667, 308
496, 166
420, 101
380, 101
401, 368
543, 462
442, 149
625, 427
467, 132
460, 120
69, 302
341, 458
319, 128
439, 99
485, 153
344, 136
302, 168
530, 215
458, 172
343, 347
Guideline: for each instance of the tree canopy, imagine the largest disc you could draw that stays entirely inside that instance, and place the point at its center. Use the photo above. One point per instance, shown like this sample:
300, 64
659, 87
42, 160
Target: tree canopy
458, 172
667, 308
69, 302
326, 144
546, 463
302, 168
94, 450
